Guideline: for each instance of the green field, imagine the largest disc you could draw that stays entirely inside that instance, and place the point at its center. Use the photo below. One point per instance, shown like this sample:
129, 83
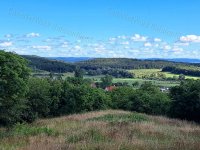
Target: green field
130, 81
141, 81
142, 73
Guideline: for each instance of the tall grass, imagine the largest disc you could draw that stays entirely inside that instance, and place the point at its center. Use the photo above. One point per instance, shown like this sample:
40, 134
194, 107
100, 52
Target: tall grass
104, 130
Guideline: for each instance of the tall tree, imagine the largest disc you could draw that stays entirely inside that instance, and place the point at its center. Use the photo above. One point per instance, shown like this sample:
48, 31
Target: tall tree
106, 81
14, 74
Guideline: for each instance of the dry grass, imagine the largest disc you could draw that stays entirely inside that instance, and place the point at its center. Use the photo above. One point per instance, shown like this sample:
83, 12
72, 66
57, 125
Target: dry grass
81, 131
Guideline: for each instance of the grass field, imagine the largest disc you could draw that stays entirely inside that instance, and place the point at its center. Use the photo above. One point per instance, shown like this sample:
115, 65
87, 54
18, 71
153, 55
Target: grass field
141, 81
130, 81
140, 73
103, 130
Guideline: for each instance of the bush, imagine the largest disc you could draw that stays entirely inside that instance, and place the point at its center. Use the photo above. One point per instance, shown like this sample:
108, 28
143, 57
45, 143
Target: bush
39, 99
121, 97
149, 99
82, 98
186, 100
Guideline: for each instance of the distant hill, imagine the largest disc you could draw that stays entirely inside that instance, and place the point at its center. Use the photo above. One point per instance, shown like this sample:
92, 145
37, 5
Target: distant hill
41, 63
70, 59
78, 59
185, 60
124, 63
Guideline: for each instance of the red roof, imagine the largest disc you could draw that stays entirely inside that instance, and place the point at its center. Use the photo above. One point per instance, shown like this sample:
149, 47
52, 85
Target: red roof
110, 88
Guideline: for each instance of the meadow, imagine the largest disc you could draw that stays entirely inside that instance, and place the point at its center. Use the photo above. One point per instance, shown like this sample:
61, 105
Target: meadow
142, 73
102, 130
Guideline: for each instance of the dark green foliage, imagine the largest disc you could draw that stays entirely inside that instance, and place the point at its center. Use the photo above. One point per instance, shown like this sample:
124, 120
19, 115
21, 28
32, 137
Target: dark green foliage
123, 63
117, 73
106, 81
78, 73
186, 100
121, 98
55, 94
149, 99
192, 70
39, 96
82, 98
13, 87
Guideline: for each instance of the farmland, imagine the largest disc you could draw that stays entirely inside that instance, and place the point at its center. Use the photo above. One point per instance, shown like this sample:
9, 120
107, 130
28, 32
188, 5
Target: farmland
145, 73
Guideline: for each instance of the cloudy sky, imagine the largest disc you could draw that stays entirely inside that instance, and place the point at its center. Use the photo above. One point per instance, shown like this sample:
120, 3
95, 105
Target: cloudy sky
101, 28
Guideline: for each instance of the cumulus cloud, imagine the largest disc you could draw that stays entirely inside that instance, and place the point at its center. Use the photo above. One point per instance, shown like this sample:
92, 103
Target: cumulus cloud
167, 47
77, 47
190, 38
181, 44
122, 37
177, 49
42, 47
118, 46
148, 44
6, 44
32, 35
65, 44
157, 40
139, 38
125, 43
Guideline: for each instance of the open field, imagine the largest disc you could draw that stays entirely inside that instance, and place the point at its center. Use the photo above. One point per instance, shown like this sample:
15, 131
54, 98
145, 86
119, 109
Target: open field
140, 81
130, 81
103, 130
140, 73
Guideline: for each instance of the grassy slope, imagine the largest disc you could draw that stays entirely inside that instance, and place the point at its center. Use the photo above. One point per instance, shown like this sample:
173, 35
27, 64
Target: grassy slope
111, 129
141, 72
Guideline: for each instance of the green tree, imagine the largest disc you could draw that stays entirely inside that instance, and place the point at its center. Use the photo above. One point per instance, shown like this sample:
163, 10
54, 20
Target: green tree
106, 81
78, 73
149, 99
186, 100
82, 98
181, 77
121, 97
14, 74
39, 96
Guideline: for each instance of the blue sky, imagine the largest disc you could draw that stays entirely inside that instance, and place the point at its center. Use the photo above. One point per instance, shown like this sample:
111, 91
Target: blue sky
101, 28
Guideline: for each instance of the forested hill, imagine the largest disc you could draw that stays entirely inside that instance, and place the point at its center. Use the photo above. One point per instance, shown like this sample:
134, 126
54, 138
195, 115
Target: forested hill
41, 63
124, 63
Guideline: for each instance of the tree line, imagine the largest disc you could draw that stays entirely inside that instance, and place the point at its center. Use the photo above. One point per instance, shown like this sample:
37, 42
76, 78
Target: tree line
24, 98
185, 70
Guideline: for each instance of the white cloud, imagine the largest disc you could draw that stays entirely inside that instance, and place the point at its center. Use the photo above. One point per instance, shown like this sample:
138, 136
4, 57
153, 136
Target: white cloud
5, 44
32, 35
122, 37
125, 43
190, 38
157, 40
167, 47
42, 47
147, 44
64, 44
77, 47
181, 44
177, 49
139, 38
